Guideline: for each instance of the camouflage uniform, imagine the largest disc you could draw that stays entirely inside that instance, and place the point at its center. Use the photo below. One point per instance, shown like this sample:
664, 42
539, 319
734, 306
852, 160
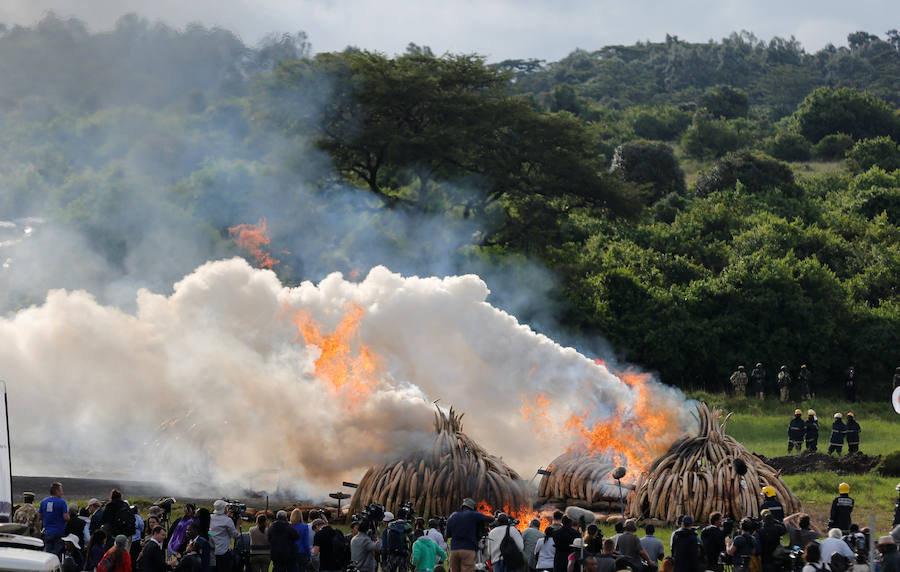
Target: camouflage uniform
28, 514
739, 382
784, 385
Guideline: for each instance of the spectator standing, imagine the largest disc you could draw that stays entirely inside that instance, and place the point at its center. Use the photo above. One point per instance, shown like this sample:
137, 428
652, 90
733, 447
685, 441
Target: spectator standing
838, 429
890, 558
96, 547
685, 547
895, 382
28, 515
324, 545
495, 538
260, 556
850, 385
545, 550
153, 556
852, 431
743, 547
116, 559
283, 544
434, 534
304, 548
530, 537
796, 431
784, 384
54, 514
72, 559
835, 543
363, 550
606, 562
800, 529
812, 554
426, 554
713, 539
593, 539
222, 531
462, 528
629, 545
95, 509
562, 540
770, 534
177, 541
653, 547
758, 381
812, 432
118, 517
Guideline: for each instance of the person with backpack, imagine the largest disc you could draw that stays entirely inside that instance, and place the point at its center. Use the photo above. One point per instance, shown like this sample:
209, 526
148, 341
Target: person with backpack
331, 546
812, 554
686, 547
395, 544
118, 518
743, 547
426, 554
505, 545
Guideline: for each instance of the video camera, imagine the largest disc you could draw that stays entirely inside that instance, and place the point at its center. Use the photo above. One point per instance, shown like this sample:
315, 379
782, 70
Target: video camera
165, 507
234, 508
407, 512
369, 517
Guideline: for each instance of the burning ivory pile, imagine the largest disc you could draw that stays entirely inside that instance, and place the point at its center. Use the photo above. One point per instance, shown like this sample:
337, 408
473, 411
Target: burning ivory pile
437, 481
706, 473
584, 480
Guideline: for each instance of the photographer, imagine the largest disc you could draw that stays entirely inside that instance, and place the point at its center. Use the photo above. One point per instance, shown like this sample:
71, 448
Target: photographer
363, 550
743, 547
495, 540
222, 530
713, 539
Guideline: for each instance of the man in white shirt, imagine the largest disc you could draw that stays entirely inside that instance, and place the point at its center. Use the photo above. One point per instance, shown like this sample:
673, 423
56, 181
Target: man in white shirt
222, 530
434, 534
496, 536
835, 543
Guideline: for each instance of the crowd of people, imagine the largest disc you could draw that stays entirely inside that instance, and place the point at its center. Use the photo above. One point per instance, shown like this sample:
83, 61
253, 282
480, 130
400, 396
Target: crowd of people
111, 536
797, 388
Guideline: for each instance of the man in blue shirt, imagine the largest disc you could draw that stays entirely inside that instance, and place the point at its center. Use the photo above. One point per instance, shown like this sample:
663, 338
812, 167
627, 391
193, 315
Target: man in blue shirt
54, 513
462, 528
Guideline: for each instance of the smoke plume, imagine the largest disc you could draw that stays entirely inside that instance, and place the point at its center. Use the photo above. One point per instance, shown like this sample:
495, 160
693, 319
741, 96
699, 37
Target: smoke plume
215, 383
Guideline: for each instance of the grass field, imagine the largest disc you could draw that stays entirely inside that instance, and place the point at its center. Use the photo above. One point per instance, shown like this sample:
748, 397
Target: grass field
762, 428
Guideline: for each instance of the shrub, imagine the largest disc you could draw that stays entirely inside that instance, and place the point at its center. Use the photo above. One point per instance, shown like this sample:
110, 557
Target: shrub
844, 110
833, 147
649, 163
788, 147
879, 151
726, 101
661, 123
707, 137
890, 465
756, 171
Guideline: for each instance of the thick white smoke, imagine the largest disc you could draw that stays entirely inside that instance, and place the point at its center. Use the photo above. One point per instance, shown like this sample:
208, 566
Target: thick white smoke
213, 384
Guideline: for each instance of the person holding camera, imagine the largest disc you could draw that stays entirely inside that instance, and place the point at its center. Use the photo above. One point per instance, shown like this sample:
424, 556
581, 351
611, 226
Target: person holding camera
363, 550
222, 530
743, 547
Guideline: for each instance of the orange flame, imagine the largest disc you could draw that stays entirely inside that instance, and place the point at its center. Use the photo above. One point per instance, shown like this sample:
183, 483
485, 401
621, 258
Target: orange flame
538, 411
635, 435
252, 238
345, 363
523, 515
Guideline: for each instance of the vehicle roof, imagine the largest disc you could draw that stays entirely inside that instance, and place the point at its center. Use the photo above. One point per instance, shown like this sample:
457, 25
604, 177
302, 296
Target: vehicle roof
27, 560
20, 541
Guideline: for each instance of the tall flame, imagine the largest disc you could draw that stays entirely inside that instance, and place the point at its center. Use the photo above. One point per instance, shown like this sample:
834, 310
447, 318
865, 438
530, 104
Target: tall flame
252, 238
635, 434
345, 363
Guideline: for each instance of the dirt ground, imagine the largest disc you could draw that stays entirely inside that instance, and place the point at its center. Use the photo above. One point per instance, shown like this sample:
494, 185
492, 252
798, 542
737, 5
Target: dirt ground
807, 462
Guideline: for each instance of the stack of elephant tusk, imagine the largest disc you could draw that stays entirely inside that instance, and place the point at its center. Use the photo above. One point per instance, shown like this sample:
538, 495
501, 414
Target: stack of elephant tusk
578, 476
436, 481
697, 476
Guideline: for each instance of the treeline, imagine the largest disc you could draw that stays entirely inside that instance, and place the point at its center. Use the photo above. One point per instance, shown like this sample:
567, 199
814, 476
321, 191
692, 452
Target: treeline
703, 205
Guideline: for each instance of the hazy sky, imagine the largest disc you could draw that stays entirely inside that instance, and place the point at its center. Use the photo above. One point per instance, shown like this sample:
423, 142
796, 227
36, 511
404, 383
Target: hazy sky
499, 29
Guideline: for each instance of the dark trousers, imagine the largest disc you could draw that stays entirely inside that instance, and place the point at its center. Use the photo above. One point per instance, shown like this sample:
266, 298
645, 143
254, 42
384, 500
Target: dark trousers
797, 444
835, 449
812, 445
225, 561
852, 447
291, 566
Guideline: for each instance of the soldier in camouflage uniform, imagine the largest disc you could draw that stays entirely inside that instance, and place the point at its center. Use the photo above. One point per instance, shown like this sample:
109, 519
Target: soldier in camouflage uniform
805, 379
784, 383
739, 382
758, 376
28, 514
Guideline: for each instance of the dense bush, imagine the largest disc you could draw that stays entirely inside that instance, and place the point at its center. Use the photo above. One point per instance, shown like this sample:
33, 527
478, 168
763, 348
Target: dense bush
788, 147
726, 102
833, 146
845, 110
663, 123
756, 171
708, 137
890, 465
876, 152
649, 163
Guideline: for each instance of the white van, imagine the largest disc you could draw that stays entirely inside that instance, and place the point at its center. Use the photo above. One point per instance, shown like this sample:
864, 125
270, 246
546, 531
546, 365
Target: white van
25, 560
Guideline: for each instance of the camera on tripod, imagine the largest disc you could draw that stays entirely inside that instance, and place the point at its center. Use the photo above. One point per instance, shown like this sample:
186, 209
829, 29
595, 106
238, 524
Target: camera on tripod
407, 512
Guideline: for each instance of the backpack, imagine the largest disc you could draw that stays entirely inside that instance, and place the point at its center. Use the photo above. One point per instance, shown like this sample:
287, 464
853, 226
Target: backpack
395, 539
340, 549
839, 562
512, 556
123, 522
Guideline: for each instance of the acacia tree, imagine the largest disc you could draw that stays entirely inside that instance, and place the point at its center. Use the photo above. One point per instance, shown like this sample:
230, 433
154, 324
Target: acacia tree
449, 118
